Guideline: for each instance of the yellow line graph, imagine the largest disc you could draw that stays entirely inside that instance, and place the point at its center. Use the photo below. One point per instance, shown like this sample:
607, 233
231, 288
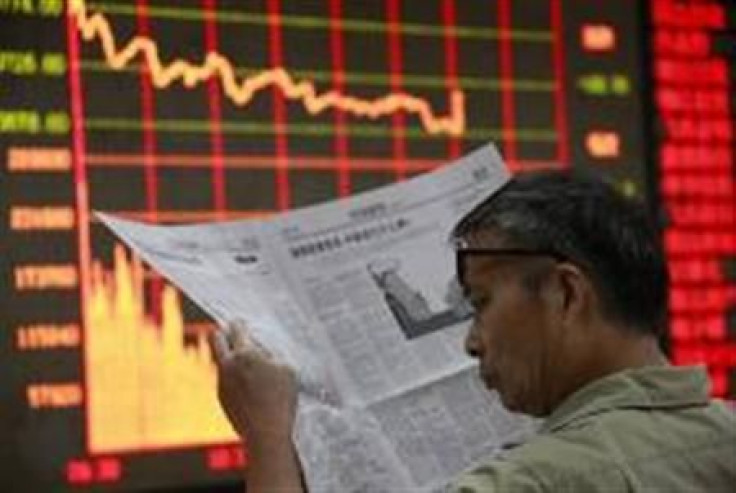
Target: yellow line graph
241, 91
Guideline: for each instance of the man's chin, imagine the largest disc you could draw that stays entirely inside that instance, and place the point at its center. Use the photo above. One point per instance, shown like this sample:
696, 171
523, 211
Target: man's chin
519, 406
491, 383
509, 403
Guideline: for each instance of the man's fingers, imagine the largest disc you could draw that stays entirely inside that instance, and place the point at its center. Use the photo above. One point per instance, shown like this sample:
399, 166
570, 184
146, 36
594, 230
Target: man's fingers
240, 338
236, 335
219, 345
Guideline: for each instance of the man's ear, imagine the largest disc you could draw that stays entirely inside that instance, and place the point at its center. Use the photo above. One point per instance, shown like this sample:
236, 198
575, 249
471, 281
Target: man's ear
571, 292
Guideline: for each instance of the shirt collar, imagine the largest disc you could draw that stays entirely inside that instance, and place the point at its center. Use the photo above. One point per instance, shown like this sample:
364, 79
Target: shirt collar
652, 387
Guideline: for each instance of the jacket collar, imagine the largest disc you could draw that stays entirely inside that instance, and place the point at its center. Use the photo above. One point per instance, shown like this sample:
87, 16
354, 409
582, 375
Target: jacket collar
652, 387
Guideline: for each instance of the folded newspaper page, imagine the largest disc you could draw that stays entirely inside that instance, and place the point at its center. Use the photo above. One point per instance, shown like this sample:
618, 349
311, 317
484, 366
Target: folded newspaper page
359, 296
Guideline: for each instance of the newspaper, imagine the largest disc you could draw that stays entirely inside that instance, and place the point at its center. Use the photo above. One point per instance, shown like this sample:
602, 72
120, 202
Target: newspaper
360, 297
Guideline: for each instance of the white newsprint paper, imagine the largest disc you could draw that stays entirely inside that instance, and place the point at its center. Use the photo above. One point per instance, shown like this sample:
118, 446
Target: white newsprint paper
359, 296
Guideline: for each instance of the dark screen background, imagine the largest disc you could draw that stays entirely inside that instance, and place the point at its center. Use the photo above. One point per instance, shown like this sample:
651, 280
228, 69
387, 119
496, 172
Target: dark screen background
640, 92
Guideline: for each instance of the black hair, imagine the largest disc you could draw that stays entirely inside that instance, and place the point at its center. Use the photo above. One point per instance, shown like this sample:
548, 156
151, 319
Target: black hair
587, 221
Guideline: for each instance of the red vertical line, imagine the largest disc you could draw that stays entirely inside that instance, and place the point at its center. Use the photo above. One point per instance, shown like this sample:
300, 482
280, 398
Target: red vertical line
508, 111
448, 18
338, 80
147, 112
81, 189
283, 198
395, 68
215, 106
149, 148
558, 54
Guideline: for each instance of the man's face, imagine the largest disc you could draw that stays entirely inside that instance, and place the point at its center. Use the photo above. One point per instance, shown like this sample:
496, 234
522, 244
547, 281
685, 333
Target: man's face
514, 332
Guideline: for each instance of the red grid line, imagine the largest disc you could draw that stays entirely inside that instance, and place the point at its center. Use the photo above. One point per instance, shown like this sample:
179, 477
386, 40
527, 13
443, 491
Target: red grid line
393, 12
150, 175
79, 145
148, 115
215, 106
451, 52
558, 55
303, 162
508, 110
254, 161
283, 190
337, 53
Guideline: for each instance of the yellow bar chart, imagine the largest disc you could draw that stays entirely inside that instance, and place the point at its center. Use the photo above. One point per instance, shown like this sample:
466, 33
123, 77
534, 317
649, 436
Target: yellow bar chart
146, 388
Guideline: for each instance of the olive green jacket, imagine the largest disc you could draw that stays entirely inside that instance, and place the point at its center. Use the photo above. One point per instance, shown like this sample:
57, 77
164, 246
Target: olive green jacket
650, 429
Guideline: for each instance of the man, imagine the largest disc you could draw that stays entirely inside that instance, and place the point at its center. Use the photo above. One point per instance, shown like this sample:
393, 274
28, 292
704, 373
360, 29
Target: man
569, 287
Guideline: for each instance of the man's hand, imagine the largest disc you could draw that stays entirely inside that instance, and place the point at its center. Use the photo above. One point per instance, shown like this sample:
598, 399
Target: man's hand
258, 395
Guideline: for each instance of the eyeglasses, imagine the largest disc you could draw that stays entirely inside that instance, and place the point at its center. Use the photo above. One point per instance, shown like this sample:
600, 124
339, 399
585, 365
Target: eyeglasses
462, 252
